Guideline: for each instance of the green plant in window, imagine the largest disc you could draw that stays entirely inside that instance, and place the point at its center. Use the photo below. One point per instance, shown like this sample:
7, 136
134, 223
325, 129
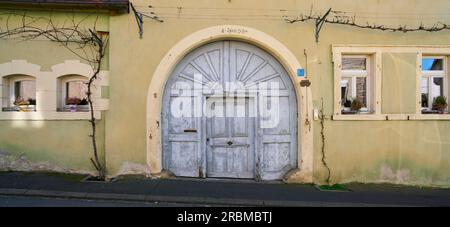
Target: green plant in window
73, 101
356, 105
32, 101
83, 102
20, 101
440, 104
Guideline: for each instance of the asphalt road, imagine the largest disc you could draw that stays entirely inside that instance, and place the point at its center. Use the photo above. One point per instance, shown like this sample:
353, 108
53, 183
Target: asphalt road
27, 201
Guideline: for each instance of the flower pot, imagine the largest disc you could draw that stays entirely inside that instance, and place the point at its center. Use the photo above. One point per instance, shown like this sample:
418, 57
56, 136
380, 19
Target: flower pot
73, 108
440, 108
23, 108
349, 112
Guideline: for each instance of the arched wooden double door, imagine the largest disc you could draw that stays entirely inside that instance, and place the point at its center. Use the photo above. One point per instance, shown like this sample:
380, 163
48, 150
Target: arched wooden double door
229, 110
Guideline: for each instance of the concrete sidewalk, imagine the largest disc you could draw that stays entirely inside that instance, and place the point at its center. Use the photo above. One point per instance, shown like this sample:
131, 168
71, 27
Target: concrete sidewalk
217, 192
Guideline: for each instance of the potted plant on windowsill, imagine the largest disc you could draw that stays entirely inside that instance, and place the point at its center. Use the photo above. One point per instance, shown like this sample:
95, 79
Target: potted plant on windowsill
83, 105
352, 106
22, 104
440, 104
73, 103
356, 105
32, 105
347, 107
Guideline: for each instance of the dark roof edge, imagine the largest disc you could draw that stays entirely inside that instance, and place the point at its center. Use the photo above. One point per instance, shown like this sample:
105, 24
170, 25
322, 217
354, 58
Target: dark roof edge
112, 6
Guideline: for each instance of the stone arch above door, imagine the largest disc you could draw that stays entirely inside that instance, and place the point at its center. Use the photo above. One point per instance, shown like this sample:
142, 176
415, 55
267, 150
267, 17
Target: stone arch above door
233, 32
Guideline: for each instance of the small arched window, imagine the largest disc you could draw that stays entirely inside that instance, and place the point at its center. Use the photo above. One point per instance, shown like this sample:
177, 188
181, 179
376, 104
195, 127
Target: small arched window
72, 94
19, 93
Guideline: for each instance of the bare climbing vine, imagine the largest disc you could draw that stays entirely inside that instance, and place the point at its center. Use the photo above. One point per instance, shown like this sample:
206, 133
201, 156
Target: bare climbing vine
84, 41
342, 18
322, 118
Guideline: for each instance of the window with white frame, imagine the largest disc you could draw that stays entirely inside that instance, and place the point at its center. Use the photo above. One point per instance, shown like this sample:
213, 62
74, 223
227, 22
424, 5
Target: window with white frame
72, 93
433, 84
355, 84
19, 93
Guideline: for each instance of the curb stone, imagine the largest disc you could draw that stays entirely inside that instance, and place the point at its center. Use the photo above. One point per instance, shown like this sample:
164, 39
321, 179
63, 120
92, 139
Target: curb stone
56, 194
174, 199
12, 191
122, 197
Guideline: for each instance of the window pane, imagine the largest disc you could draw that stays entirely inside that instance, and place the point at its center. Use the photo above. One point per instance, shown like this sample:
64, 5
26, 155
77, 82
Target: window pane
17, 89
437, 87
431, 64
425, 92
76, 89
25, 89
354, 63
361, 90
346, 86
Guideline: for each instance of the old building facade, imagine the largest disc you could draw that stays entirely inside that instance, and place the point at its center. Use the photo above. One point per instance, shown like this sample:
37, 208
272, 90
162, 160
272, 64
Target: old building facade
232, 89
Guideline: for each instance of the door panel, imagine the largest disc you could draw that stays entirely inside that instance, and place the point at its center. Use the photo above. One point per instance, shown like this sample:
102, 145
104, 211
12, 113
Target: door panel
278, 141
276, 156
183, 155
276, 137
230, 148
181, 160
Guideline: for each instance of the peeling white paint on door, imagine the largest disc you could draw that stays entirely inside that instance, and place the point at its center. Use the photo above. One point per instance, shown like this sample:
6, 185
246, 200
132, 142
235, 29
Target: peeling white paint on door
230, 146
260, 143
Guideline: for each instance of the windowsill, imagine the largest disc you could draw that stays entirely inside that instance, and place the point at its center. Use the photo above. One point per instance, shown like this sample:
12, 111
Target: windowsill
355, 112
47, 115
70, 111
357, 116
390, 117
81, 108
426, 111
29, 108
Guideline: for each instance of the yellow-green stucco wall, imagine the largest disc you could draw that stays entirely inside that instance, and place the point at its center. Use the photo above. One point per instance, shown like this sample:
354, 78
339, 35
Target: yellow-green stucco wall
408, 152
48, 145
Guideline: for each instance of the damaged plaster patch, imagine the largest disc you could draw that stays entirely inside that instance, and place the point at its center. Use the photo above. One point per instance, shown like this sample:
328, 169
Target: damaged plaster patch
9, 162
130, 168
165, 174
297, 176
400, 176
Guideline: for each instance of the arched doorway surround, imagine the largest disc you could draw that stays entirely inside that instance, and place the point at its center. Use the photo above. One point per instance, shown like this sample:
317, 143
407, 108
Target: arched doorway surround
239, 33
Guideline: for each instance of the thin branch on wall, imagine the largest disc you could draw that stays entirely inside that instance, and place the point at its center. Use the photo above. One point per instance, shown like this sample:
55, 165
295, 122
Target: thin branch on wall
85, 42
339, 17
100, 43
322, 118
